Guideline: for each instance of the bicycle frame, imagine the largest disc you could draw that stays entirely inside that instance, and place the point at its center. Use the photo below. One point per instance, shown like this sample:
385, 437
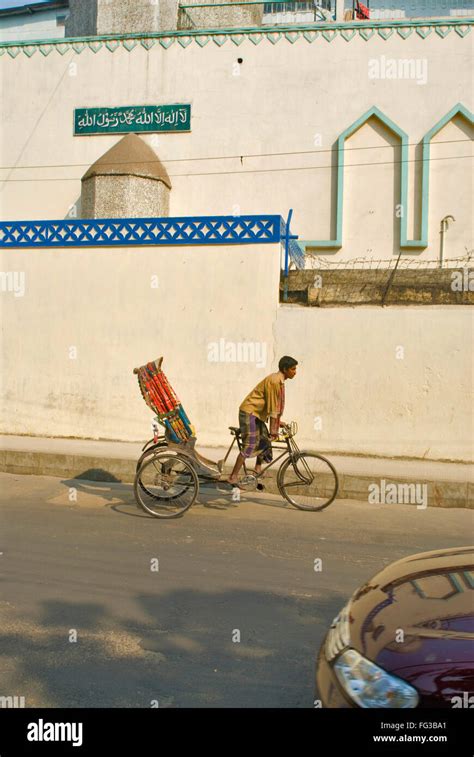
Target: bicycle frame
290, 448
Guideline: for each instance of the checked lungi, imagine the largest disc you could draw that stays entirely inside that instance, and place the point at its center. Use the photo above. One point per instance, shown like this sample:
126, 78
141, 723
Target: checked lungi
254, 437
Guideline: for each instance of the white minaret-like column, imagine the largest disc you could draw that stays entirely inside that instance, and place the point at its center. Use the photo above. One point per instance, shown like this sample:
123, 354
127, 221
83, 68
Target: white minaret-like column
128, 181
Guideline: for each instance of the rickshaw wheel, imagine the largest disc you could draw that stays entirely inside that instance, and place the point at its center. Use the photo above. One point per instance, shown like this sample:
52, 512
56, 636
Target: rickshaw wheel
166, 485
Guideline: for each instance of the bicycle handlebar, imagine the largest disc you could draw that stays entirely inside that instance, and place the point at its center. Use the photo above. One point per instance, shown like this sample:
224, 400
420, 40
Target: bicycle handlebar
289, 430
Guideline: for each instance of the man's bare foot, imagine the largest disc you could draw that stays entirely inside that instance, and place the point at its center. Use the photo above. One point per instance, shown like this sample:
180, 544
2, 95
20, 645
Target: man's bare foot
231, 481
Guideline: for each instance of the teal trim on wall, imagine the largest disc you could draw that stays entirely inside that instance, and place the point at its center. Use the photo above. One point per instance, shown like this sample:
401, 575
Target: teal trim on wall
336, 244
321, 32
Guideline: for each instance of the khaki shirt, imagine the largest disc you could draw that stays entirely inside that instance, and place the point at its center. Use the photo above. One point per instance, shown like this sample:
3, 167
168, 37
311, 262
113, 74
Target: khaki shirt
267, 398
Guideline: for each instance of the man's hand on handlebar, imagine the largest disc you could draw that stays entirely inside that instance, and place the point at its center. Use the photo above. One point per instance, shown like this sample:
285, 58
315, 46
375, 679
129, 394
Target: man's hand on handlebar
274, 432
274, 435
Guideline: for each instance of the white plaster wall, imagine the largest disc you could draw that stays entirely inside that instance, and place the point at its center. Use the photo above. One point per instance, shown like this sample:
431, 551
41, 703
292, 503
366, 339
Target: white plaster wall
102, 302
351, 375
389, 381
285, 95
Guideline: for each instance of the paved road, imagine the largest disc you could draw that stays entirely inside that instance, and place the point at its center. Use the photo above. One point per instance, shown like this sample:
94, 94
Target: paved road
85, 567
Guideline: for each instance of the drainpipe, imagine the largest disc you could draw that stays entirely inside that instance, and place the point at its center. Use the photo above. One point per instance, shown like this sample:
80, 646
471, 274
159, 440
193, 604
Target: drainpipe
444, 226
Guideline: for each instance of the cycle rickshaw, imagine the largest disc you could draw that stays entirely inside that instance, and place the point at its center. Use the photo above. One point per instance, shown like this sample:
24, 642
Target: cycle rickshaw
170, 469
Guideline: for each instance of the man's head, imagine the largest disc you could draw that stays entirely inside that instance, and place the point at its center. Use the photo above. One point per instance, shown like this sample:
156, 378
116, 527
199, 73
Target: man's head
287, 366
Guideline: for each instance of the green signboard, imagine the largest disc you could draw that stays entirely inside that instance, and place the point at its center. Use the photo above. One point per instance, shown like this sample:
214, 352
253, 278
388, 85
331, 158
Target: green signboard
134, 118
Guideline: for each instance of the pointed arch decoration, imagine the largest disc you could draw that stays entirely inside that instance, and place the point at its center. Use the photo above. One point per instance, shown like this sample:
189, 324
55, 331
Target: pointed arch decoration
336, 244
458, 110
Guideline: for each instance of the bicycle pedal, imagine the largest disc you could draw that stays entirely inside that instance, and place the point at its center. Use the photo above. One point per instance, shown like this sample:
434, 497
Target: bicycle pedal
249, 482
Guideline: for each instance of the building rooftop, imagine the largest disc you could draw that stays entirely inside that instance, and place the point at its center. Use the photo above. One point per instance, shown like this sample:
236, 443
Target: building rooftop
31, 8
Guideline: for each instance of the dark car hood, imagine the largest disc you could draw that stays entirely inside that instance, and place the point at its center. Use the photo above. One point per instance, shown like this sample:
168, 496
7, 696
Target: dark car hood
415, 619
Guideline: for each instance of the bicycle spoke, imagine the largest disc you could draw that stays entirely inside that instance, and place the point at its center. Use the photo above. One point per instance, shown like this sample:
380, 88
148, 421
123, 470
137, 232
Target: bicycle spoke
289, 484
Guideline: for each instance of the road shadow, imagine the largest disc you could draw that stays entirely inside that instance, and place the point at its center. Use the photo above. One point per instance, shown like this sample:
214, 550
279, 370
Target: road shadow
236, 648
97, 474
110, 492
211, 496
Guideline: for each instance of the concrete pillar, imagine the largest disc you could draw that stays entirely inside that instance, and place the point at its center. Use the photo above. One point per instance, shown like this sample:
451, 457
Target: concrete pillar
222, 17
97, 17
82, 19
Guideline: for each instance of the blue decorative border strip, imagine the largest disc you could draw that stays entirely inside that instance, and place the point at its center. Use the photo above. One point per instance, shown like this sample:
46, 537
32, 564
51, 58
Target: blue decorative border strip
323, 32
111, 232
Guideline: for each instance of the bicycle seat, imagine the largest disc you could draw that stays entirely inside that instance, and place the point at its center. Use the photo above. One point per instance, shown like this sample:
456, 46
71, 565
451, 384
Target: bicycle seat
234, 430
